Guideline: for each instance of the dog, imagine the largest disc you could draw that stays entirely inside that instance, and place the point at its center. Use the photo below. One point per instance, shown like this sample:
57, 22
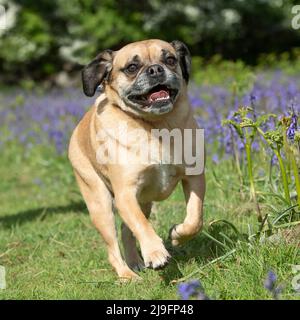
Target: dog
144, 85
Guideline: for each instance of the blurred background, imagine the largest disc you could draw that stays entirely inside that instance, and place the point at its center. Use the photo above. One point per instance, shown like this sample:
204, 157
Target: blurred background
47, 40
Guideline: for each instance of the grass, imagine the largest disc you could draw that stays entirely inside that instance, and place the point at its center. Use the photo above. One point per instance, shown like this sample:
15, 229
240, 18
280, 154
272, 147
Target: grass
51, 250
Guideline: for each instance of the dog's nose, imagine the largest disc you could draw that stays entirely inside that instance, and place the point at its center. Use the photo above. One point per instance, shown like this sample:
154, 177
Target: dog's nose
155, 70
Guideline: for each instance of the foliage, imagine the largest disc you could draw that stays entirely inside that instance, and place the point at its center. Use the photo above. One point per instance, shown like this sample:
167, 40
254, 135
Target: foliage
45, 37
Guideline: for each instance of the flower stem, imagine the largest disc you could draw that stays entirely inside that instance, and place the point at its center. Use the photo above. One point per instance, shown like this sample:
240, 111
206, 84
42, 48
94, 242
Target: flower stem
251, 178
287, 153
237, 161
281, 166
284, 176
297, 178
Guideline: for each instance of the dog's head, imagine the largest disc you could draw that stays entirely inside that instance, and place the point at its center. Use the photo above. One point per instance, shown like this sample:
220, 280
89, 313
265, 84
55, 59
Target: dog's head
144, 78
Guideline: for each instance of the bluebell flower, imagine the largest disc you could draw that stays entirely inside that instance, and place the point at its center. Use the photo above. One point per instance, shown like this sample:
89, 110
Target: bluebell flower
60, 110
215, 158
252, 97
187, 290
270, 281
274, 160
270, 285
192, 289
291, 130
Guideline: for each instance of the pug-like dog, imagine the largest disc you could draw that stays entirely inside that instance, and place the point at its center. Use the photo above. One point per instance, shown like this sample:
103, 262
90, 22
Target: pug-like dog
144, 88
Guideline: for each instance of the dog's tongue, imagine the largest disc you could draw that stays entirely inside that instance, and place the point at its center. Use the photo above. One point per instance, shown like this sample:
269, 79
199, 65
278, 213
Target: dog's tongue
162, 94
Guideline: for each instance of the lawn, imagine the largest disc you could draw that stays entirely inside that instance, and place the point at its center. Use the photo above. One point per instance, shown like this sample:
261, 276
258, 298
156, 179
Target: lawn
51, 250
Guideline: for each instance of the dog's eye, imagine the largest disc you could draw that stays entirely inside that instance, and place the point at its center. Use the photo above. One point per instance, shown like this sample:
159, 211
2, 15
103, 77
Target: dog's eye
171, 61
132, 68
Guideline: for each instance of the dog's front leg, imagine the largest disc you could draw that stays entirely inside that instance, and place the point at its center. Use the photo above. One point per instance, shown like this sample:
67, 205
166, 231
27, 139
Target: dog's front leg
99, 203
132, 256
194, 191
153, 250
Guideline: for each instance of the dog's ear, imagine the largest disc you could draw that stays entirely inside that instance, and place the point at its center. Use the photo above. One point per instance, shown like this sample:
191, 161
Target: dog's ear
96, 71
184, 56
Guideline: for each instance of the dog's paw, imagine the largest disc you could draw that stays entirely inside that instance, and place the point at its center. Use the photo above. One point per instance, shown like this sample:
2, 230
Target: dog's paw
156, 257
180, 233
127, 274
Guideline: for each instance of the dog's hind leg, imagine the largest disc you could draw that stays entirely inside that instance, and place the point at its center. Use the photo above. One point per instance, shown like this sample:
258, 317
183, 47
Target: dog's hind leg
132, 255
99, 202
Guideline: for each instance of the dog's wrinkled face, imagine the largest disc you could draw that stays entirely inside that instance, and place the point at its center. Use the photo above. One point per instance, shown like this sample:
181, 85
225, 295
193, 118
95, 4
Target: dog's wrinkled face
144, 77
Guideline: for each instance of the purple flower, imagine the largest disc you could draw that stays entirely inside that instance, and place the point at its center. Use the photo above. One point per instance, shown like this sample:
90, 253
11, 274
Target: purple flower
292, 127
274, 160
215, 158
255, 146
270, 281
252, 98
187, 290
49, 118
270, 285
192, 289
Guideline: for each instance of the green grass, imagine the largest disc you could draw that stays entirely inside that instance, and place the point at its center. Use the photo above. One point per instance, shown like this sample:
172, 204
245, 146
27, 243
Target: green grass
51, 250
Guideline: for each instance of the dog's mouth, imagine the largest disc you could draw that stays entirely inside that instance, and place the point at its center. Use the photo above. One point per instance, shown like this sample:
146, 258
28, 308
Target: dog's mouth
159, 95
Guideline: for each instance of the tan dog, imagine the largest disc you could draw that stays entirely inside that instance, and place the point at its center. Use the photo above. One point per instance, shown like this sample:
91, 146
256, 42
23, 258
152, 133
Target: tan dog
145, 87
